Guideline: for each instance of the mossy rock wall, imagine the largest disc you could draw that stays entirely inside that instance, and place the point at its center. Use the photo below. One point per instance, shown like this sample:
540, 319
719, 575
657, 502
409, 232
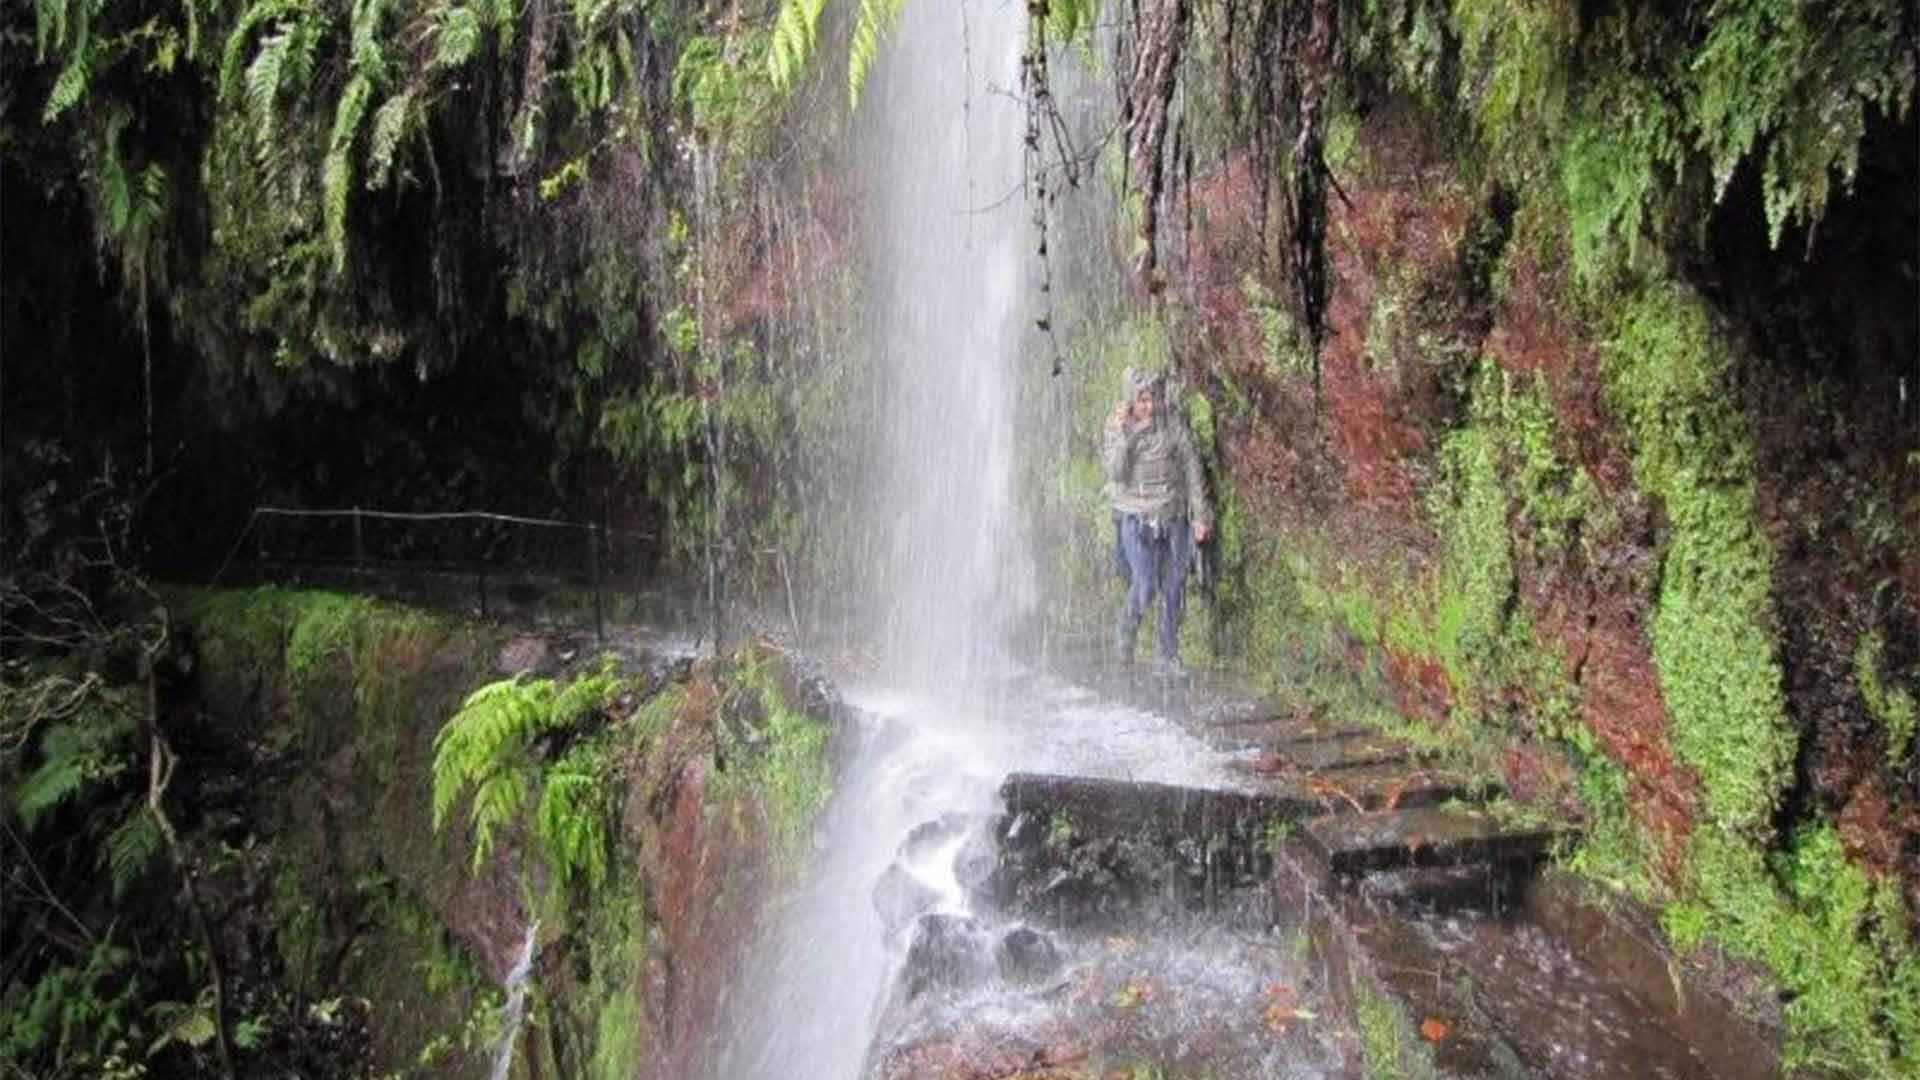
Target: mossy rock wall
340, 699
1547, 516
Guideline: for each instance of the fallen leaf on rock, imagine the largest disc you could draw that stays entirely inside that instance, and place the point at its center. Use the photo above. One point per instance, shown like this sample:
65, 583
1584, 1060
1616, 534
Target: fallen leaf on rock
1283, 1009
1432, 1030
1135, 993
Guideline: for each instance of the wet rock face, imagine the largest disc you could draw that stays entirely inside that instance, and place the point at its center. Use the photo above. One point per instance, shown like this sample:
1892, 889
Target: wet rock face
948, 952
1082, 852
524, 654
975, 865
929, 836
899, 898
1025, 955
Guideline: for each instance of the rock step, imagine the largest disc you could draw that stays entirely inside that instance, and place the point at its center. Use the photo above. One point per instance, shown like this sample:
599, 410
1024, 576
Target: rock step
1345, 751
1356, 844
1127, 807
1486, 887
1269, 732
1366, 788
1081, 852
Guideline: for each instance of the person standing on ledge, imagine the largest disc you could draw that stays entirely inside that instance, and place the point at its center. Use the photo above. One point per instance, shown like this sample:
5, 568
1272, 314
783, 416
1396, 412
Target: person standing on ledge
1160, 510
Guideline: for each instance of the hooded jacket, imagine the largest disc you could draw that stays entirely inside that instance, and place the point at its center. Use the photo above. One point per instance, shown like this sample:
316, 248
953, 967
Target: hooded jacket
1154, 471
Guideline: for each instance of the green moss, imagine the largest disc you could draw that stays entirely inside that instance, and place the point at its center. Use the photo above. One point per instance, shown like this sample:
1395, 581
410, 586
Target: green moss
786, 771
1282, 348
1892, 706
1476, 576
1389, 1047
1666, 374
1836, 940
602, 1021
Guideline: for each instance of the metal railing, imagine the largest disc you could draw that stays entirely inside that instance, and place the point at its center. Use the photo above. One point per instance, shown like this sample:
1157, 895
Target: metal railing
476, 542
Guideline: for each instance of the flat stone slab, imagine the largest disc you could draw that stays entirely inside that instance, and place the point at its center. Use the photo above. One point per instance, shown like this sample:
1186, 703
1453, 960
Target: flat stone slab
1274, 733
1083, 852
1366, 788
1346, 751
1096, 806
1353, 844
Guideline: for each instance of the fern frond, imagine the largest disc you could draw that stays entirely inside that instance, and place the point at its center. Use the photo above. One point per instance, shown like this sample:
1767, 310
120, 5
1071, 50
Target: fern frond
571, 822
457, 36
74, 757
391, 123
336, 173
130, 849
793, 36
492, 726
502, 17
582, 697
49, 786
368, 56
70, 87
149, 198
495, 803
303, 54
1066, 18
49, 26
191, 1025
250, 20
488, 746
870, 26
264, 76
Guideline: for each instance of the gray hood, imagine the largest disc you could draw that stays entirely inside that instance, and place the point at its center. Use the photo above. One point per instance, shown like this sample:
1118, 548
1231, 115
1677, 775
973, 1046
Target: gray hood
1133, 380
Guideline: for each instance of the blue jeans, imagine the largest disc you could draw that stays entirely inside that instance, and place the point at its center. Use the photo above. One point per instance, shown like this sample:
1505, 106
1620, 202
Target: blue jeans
1155, 556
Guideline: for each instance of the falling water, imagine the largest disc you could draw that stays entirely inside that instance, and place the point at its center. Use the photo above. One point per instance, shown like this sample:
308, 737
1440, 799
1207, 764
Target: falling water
948, 254
952, 292
515, 1012
945, 251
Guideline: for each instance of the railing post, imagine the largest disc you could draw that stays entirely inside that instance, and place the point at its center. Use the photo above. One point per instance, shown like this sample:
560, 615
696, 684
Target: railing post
593, 568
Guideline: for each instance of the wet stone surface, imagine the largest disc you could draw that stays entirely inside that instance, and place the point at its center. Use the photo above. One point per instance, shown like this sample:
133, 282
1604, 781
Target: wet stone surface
1117, 922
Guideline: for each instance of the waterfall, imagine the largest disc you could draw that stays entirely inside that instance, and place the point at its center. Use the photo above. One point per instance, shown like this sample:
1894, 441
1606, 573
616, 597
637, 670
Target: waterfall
947, 254
515, 1012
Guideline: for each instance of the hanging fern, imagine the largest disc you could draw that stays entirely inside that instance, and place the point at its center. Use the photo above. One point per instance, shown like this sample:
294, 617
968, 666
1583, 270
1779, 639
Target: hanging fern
75, 757
70, 87
336, 174
572, 821
131, 849
1066, 18
793, 36
253, 18
870, 26
264, 77
456, 36
68, 25
488, 746
392, 122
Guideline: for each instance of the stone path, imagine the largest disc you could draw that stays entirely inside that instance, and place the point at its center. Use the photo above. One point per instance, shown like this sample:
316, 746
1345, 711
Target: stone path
1411, 887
